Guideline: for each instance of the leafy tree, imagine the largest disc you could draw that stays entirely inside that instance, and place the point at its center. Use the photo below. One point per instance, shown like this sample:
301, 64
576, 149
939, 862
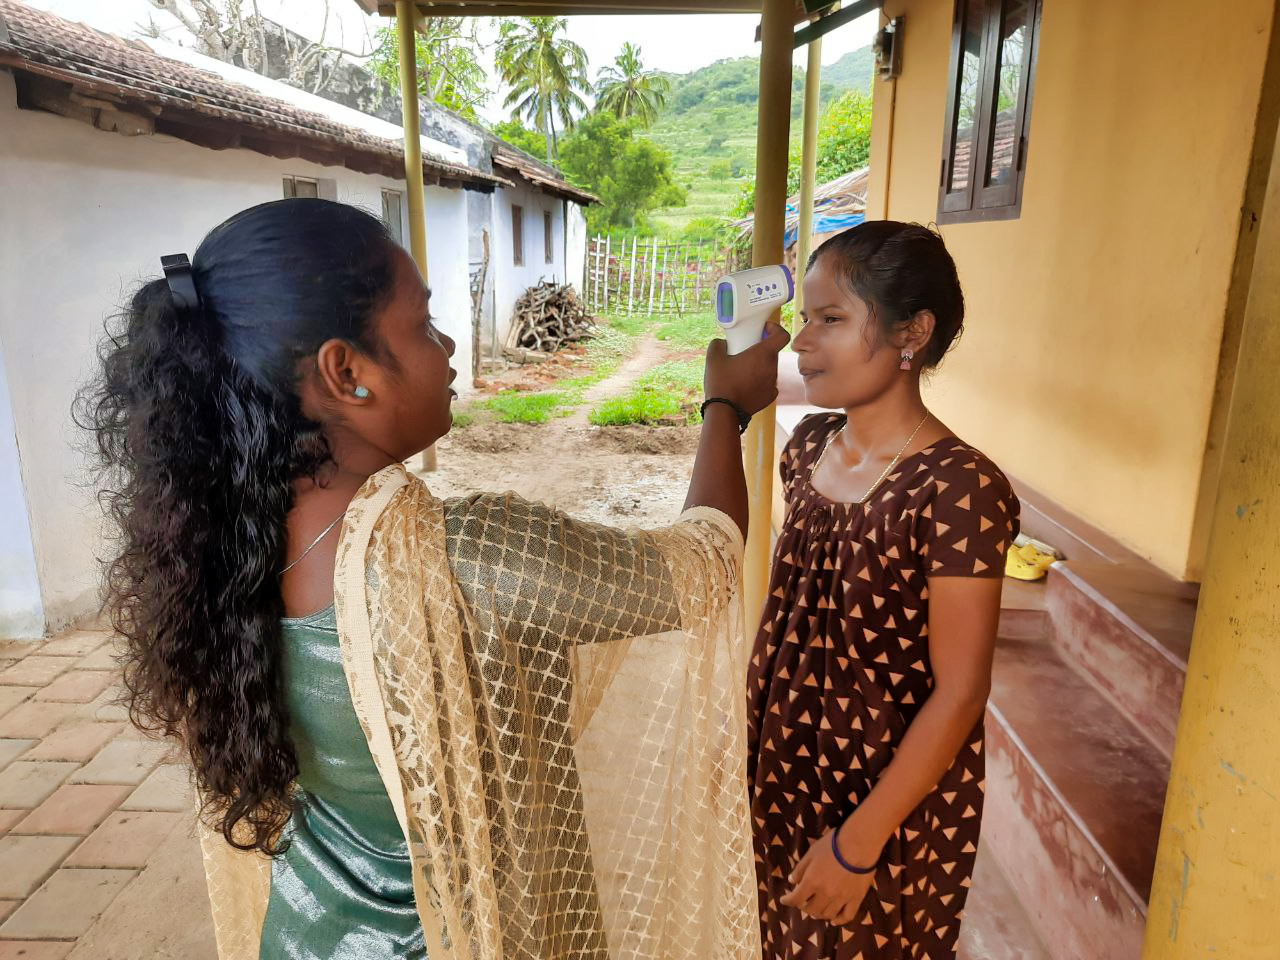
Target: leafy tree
844, 139
546, 73
844, 145
627, 90
519, 136
628, 172
448, 54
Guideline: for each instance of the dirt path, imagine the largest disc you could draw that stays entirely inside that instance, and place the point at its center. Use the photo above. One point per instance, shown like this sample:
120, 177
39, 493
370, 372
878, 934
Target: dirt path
648, 353
628, 476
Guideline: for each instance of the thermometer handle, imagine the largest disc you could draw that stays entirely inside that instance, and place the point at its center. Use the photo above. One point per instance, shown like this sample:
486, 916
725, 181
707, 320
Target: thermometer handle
745, 334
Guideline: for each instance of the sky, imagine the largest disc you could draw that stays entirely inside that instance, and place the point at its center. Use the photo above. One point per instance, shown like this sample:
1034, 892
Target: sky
679, 44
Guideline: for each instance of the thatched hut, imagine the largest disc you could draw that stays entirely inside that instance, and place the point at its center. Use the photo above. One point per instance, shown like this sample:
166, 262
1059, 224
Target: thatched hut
837, 205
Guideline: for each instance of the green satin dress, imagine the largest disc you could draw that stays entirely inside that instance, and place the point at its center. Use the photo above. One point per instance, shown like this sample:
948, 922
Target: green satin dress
344, 889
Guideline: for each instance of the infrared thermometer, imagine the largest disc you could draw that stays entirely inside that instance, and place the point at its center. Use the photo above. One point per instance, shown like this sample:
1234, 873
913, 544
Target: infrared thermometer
745, 299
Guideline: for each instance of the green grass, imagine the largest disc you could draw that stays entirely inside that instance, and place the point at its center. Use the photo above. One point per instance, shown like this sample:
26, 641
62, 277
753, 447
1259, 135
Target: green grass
512, 406
691, 331
616, 336
668, 392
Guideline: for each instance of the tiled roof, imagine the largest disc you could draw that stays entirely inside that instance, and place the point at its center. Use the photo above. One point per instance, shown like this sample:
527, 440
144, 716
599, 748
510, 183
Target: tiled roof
198, 105
508, 158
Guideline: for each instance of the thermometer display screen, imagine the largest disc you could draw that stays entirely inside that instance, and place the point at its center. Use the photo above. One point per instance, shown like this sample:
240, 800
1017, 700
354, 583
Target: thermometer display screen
724, 302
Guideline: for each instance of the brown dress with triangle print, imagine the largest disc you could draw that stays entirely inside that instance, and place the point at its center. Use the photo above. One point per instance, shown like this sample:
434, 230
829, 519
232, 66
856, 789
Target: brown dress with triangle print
839, 670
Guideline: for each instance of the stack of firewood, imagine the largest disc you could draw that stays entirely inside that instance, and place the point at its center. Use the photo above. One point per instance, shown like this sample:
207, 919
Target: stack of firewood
546, 318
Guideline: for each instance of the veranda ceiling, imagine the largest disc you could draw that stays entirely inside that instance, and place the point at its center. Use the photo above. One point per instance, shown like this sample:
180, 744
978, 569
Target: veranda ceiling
565, 8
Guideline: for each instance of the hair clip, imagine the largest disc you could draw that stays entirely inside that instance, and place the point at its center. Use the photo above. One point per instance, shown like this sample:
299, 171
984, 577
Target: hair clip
182, 286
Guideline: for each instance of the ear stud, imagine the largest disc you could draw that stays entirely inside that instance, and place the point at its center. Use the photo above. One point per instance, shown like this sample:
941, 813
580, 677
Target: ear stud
362, 393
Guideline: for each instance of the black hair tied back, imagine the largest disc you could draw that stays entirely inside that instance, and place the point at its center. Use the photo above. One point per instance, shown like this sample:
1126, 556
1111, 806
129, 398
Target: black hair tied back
900, 269
200, 438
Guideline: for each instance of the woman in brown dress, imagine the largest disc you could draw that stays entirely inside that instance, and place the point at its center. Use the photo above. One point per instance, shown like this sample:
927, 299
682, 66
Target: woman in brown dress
872, 666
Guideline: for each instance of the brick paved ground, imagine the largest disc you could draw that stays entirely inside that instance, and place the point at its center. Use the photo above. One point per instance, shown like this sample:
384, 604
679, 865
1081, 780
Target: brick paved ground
92, 814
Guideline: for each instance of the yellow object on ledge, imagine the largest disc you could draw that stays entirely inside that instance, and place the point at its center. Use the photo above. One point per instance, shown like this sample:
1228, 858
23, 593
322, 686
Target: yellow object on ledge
1029, 560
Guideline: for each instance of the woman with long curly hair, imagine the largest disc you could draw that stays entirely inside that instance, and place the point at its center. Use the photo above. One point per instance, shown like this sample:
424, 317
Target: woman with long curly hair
401, 713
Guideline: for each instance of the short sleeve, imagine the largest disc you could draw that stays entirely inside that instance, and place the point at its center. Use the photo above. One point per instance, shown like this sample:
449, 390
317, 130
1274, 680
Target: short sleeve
968, 521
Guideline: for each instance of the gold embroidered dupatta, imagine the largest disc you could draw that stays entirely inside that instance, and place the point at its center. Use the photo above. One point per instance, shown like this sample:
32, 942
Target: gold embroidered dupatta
557, 711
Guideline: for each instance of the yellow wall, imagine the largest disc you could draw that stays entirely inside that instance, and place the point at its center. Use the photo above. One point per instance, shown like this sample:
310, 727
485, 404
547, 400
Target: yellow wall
1216, 886
1094, 321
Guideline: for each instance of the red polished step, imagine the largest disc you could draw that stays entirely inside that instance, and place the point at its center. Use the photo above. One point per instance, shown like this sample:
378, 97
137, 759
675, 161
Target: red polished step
1127, 626
995, 926
1024, 611
1074, 799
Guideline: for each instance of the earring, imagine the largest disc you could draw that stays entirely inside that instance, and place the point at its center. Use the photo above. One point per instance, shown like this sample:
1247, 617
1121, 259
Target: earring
362, 393
907, 356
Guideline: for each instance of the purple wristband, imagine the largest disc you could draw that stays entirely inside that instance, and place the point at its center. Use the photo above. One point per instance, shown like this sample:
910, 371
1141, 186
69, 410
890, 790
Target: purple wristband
835, 848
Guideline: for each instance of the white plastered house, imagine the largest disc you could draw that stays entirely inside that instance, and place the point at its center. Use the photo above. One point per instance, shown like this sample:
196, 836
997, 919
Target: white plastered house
114, 152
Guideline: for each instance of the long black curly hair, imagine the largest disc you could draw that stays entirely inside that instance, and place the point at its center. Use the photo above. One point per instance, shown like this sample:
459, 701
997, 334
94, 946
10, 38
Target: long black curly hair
200, 437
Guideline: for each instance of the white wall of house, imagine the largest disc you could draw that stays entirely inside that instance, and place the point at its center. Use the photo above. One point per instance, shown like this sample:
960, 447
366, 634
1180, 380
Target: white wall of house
86, 216
576, 248
448, 277
21, 613
511, 279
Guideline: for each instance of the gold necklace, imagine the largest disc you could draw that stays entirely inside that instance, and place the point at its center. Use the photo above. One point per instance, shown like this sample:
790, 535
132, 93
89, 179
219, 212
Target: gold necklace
314, 543
892, 463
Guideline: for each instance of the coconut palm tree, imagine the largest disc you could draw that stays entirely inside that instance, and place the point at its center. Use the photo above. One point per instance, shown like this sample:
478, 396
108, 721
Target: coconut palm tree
545, 71
628, 90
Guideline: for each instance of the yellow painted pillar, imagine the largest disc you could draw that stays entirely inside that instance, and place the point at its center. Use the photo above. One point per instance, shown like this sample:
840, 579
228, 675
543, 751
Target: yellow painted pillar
808, 163
772, 133
1217, 876
415, 191
407, 27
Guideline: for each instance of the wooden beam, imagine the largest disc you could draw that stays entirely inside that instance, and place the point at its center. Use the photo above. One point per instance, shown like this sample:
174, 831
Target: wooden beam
773, 133
406, 25
808, 168
832, 21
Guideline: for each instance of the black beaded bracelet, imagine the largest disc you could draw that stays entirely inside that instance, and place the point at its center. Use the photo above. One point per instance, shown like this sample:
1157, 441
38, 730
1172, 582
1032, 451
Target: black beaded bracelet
835, 848
744, 418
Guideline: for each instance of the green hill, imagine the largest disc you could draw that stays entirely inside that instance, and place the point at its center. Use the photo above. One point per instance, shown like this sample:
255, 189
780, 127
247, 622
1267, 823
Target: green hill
709, 126
851, 72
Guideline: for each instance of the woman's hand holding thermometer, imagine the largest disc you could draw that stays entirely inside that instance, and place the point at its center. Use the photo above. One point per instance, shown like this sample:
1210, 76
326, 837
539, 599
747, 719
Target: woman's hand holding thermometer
748, 377
744, 301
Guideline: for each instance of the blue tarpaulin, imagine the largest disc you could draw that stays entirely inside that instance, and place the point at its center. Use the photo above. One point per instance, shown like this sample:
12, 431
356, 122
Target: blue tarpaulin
821, 225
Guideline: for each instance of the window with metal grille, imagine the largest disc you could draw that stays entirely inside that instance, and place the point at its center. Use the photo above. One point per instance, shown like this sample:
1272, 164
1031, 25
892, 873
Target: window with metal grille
548, 236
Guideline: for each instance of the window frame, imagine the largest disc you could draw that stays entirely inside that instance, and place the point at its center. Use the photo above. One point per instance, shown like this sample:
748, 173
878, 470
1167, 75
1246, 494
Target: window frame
517, 235
549, 235
978, 202
394, 199
290, 186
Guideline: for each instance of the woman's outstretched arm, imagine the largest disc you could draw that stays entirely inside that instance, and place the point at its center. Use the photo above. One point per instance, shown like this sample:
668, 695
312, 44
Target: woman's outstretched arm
750, 380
